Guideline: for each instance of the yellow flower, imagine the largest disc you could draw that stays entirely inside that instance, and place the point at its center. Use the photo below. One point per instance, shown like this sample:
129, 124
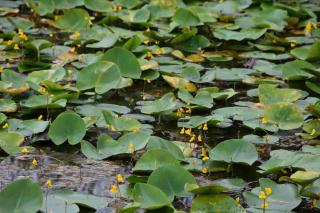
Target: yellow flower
188, 131
238, 200
120, 178
34, 163
16, 47
56, 17
268, 190
182, 131
293, 43
149, 55
9, 42
146, 42
114, 188
313, 132
73, 49
6, 125
205, 158
264, 120
265, 205
148, 30
113, 129
75, 35
204, 170
262, 195
308, 27
200, 127
148, 81
205, 127
144, 97
131, 148
22, 35
199, 138
189, 110
193, 137
314, 203
8, 65
40, 117
49, 184
159, 51
114, 8
1, 69
119, 8
315, 26
50, 34
42, 90
24, 151
136, 129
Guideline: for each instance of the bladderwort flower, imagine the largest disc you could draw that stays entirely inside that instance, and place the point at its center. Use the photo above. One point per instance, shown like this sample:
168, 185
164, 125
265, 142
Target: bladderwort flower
24, 151
34, 163
131, 148
310, 25
6, 125
238, 200
114, 189
120, 178
40, 117
205, 127
75, 35
264, 195
204, 170
150, 55
188, 132
193, 137
49, 184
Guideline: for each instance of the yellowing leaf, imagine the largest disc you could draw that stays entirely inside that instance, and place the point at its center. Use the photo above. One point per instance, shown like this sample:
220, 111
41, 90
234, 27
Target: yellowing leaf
177, 82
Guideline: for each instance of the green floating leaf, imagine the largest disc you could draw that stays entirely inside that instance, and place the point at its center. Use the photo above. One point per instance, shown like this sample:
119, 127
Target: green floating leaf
284, 197
23, 196
149, 196
184, 18
67, 126
234, 151
308, 53
155, 159
202, 98
42, 7
10, 142
286, 115
296, 70
7, 105
160, 143
172, 180
55, 204
251, 34
73, 20
126, 61
98, 5
109, 147
269, 94
83, 199
216, 203
102, 75
122, 123
166, 102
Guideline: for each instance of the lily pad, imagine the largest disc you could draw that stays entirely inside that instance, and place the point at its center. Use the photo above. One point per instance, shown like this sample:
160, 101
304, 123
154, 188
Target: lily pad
67, 126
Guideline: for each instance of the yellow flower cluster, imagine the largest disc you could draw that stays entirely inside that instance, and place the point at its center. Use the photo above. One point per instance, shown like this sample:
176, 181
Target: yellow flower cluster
117, 8
310, 25
263, 195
